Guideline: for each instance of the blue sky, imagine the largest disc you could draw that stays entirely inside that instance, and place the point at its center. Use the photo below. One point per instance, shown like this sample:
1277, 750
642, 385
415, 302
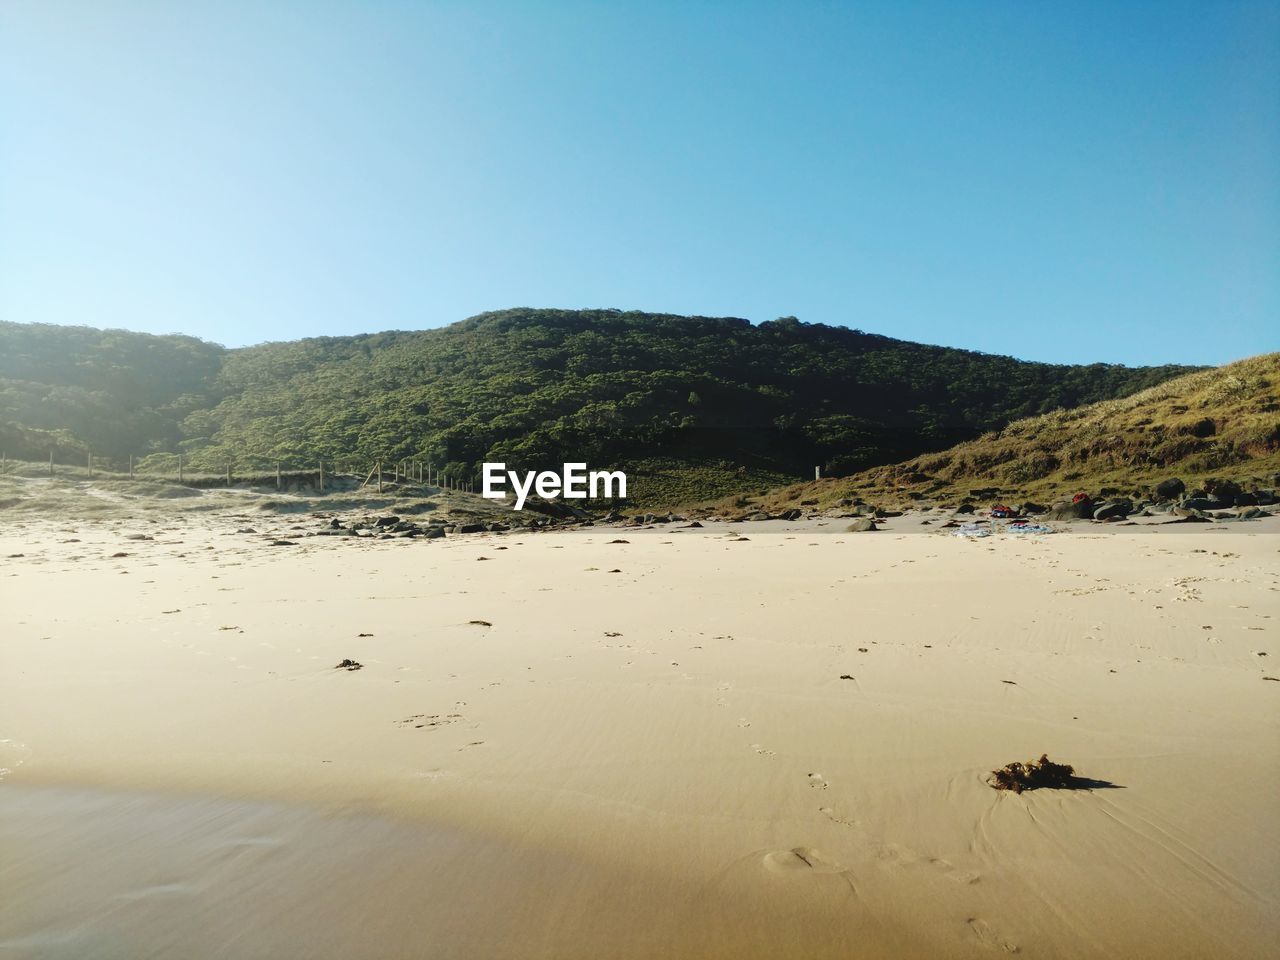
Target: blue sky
1064, 182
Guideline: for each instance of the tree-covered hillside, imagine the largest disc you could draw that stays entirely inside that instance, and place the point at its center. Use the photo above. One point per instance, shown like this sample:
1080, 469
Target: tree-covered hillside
533, 388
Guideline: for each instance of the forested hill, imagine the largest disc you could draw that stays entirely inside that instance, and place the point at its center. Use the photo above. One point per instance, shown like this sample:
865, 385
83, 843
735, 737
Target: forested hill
531, 387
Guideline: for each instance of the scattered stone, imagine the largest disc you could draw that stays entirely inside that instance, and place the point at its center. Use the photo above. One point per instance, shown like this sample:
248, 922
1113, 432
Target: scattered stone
846, 676
348, 665
861, 525
790, 515
138, 536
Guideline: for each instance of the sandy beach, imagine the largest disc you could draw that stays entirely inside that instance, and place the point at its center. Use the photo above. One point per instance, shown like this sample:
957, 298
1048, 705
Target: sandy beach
725, 742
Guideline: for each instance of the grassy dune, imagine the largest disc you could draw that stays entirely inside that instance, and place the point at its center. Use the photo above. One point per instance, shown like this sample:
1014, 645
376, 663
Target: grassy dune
1221, 423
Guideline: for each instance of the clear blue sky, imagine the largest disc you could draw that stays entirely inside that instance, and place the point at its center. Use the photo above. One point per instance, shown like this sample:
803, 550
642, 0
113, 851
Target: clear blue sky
1066, 182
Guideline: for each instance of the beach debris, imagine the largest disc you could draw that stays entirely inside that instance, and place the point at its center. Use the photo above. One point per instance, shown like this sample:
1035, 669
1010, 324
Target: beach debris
348, 665
1032, 775
119, 554
282, 543
611, 542
364, 634
972, 530
1029, 528
846, 676
480, 623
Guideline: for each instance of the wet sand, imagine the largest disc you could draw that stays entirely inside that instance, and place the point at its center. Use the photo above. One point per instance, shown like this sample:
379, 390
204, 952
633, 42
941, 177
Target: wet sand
686, 745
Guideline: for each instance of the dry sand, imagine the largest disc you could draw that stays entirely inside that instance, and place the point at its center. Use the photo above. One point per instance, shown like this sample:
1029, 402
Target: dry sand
648, 749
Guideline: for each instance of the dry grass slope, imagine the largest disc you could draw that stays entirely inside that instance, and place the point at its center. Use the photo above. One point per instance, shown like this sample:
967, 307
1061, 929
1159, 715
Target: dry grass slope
1223, 423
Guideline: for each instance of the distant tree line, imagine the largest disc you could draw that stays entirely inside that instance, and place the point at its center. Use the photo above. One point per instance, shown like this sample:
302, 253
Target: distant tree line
530, 387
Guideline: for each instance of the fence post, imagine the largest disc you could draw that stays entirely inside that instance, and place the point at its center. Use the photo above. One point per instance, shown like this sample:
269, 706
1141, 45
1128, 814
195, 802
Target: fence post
180, 476
277, 474
89, 465
379, 476
322, 476
817, 473
51, 463
131, 466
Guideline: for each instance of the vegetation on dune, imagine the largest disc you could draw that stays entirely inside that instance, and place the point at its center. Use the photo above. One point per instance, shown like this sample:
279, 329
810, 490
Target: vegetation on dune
1221, 423
721, 403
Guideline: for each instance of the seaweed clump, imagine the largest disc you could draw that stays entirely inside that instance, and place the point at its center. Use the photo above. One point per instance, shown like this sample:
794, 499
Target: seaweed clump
1032, 775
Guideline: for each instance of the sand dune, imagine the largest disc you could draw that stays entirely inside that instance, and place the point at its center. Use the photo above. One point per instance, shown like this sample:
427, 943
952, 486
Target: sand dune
688, 744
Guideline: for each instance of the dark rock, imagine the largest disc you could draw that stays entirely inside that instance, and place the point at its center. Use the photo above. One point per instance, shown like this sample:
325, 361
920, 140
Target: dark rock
1113, 510
1030, 509
1066, 510
1246, 499
386, 521
1206, 503
469, 528
861, 525
790, 514
433, 533
965, 508
348, 665
1223, 489
1168, 489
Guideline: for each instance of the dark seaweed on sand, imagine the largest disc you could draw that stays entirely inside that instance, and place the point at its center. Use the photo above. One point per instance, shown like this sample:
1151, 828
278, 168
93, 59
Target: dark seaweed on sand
1032, 775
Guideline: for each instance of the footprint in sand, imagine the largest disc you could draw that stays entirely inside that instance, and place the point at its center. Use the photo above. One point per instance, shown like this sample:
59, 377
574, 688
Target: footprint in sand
801, 860
989, 938
835, 818
743, 722
761, 751
816, 780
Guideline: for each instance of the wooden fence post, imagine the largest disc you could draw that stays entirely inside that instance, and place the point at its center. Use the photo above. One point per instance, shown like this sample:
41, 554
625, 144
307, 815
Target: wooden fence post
379, 476
131, 466
228, 474
180, 476
277, 474
322, 476
51, 463
89, 465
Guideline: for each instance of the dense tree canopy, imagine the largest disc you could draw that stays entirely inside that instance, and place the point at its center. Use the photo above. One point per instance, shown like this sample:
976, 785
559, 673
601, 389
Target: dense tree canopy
533, 388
